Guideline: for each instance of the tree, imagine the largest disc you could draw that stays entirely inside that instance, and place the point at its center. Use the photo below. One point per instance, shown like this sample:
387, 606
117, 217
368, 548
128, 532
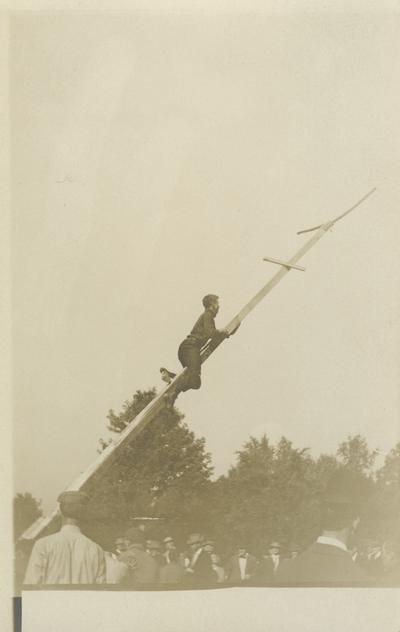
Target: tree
26, 510
384, 510
264, 494
389, 474
277, 492
355, 453
164, 473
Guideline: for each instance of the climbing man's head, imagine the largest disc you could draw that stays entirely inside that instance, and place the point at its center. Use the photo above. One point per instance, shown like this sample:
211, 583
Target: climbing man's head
211, 301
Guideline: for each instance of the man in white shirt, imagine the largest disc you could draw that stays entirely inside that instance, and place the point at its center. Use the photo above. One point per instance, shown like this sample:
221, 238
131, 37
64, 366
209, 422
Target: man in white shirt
67, 557
240, 567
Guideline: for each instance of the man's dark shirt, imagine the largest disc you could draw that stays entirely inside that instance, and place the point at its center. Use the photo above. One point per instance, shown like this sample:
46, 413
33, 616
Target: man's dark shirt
204, 328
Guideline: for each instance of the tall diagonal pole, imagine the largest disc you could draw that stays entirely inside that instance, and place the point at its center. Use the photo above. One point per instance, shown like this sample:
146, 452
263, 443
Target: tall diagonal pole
321, 230
245, 311
99, 467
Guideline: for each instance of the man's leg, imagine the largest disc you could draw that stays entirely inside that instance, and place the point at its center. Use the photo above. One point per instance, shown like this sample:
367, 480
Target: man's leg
189, 356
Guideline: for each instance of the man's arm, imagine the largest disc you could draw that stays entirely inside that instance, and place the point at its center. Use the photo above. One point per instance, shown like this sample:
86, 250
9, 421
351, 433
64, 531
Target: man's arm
35, 573
211, 331
101, 570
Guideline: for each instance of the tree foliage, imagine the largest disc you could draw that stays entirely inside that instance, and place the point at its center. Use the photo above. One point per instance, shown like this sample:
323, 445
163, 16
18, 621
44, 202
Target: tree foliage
26, 510
272, 492
264, 496
389, 474
385, 504
164, 473
355, 453
276, 493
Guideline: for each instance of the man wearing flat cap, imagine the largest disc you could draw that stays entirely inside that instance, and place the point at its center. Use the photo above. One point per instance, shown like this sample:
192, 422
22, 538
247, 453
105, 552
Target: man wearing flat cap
328, 561
67, 557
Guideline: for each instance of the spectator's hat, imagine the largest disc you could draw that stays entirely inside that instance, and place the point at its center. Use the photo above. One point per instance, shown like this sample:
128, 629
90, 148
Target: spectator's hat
209, 543
274, 545
168, 539
73, 498
195, 538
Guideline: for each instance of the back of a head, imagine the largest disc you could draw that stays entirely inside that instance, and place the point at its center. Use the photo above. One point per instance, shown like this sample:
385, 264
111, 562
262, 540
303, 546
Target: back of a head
343, 499
73, 504
76, 512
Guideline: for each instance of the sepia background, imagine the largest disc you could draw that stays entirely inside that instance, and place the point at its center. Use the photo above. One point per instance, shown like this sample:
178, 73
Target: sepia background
158, 157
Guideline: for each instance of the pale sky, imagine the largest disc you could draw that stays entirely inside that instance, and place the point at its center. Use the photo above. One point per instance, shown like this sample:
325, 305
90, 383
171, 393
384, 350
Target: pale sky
157, 158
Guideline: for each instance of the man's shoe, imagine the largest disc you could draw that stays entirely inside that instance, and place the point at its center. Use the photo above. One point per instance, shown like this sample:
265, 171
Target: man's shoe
167, 376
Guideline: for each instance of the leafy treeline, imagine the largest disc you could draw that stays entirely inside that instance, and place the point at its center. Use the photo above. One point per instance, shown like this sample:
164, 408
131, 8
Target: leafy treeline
272, 491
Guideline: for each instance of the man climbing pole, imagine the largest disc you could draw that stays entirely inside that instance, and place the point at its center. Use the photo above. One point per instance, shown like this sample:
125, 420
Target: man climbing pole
189, 350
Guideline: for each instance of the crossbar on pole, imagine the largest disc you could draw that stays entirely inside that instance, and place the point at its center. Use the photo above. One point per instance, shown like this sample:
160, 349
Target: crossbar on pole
283, 263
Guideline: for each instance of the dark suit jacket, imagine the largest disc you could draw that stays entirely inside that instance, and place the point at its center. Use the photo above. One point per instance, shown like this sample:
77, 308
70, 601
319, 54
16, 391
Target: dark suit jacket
143, 569
266, 571
391, 577
232, 568
202, 570
172, 573
321, 564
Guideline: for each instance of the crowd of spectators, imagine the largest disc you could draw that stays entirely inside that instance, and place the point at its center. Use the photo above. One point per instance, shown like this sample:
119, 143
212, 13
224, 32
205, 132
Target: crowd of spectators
136, 561
69, 557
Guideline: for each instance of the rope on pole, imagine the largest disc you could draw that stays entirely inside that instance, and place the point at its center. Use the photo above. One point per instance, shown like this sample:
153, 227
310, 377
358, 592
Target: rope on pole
308, 230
